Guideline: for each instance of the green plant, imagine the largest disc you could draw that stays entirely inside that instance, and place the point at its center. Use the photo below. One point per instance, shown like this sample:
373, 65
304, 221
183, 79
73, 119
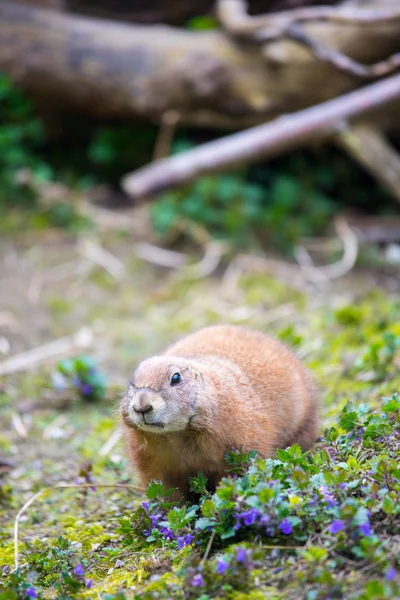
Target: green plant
202, 23
24, 171
58, 566
379, 360
21, 135
280, 211
343, 497
81, 375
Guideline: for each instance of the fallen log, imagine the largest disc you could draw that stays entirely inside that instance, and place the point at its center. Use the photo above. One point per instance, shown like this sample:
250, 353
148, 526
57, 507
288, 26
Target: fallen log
111, 70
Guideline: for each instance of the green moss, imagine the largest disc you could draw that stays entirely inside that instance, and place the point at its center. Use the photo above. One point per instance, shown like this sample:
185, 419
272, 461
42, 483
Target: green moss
6, 551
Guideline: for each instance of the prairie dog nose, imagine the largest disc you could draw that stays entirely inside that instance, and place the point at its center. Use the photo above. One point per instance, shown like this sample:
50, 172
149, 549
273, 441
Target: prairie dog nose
142, 403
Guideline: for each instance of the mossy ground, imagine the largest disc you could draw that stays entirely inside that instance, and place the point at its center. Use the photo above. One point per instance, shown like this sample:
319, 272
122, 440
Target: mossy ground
346, 334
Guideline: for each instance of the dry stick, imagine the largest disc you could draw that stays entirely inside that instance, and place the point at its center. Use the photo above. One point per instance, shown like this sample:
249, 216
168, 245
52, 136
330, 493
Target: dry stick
341, 61
104, 218
214, 252
207, 552
338, 269
369, 147
350, 252
58, 487
19, 425
166, 133
61, 347
102, 257
111, 442
160, 256
264, 141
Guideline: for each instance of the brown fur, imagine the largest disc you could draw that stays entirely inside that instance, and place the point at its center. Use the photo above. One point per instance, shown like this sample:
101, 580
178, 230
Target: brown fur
240, 388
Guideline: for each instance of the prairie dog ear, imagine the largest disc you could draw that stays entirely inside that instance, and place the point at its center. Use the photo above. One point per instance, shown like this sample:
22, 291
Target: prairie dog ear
194, 372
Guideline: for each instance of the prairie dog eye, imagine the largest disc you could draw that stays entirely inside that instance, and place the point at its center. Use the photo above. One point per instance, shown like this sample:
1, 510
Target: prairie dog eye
175, 379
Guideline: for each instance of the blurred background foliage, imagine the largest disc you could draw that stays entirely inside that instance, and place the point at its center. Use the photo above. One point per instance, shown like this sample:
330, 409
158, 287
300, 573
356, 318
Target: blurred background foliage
274, 204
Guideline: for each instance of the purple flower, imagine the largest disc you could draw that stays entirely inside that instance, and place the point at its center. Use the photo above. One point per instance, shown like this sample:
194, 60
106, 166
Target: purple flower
250, 516
89, 583
336, 526
365, 529
327, 495
167, 533
222, 566
86, 389
286, 527
241, 556
146, 506
31, 592
154, 519
184, 540
189, 539
79, 570
265, 519
198, 580
238, 523
391, 574
181, 542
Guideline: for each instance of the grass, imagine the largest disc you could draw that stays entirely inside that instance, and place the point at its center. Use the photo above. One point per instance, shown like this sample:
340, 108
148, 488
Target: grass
315, 526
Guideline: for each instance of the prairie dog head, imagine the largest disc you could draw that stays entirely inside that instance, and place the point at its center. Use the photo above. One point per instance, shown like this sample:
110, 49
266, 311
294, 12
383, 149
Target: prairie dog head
162, 395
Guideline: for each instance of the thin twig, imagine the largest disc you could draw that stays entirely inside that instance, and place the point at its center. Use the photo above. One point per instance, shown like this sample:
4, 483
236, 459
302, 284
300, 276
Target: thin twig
344, 265
307, 266
350, 251
58, 487
160, 256
369, 146
214, 251
102, 257
233, 15
61, 347
111, 442
342, 62
166, 133
207, 552
104, 218
19, 425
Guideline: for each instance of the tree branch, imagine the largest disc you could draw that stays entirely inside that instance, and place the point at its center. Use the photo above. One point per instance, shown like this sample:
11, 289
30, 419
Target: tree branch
368, 146
342, 62
264, 141
233, 16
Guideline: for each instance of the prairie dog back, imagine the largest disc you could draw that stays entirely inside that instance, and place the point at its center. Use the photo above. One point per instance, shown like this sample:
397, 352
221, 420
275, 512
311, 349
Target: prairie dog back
219, 388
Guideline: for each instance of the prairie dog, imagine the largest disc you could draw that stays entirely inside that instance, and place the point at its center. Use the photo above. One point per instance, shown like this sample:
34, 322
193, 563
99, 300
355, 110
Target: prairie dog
218, 389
